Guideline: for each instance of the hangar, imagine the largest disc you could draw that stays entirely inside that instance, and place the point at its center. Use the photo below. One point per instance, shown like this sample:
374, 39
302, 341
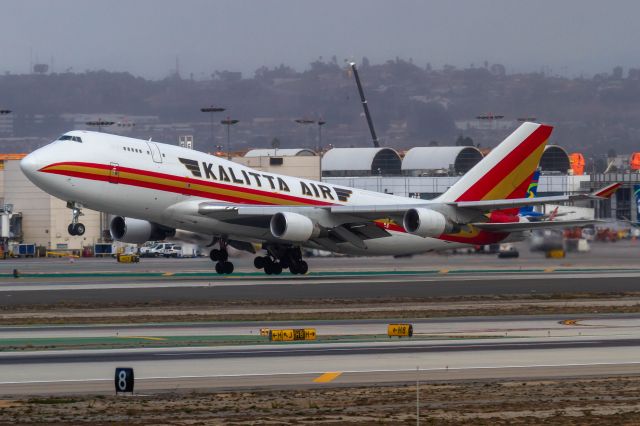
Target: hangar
440, 160
283, 152
555, 160
342, 162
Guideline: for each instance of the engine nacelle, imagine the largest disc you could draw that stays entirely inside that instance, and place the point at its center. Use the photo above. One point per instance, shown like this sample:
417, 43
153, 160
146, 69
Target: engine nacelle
292, 227
136, 231
425, 222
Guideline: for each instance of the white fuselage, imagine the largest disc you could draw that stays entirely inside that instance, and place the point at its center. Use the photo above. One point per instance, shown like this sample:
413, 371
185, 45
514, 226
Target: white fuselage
154, 181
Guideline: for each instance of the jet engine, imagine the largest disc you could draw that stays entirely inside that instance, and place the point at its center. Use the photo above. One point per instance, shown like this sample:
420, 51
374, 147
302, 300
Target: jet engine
292, 227
136, 231
425, 222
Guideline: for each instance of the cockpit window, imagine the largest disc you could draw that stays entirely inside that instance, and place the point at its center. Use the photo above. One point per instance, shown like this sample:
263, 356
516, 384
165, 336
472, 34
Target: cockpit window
70, 138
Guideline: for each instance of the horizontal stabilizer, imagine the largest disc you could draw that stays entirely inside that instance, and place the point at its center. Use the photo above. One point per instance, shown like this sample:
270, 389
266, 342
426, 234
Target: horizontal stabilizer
528, 226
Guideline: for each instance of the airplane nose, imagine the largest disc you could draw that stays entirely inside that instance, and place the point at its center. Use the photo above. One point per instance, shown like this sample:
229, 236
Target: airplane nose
30, 165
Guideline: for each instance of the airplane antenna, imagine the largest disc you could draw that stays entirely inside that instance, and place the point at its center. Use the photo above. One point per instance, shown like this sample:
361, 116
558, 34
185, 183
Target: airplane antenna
367, 114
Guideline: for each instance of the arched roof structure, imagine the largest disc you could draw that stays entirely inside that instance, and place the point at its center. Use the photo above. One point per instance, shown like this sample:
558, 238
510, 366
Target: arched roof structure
456, 160
361, 162
284, 152
555, 160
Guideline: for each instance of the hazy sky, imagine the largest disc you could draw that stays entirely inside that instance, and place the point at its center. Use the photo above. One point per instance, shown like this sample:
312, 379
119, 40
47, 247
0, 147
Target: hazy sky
144, 37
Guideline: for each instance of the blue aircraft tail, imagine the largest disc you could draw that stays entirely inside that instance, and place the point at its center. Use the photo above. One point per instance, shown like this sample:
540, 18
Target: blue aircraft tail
532, 192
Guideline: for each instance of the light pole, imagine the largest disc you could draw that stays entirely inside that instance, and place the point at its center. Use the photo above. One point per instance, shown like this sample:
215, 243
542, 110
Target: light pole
212, 110
320, 124
490, 117
304, 121
100, 123
229, 122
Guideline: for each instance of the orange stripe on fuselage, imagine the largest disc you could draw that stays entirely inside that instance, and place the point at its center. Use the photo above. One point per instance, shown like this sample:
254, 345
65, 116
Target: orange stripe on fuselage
176, 184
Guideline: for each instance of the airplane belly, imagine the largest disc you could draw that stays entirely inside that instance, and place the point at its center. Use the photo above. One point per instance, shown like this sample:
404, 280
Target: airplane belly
399, 243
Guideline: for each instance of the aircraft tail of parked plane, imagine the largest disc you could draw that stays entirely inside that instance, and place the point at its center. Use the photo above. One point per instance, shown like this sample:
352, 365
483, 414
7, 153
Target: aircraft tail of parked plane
154, 189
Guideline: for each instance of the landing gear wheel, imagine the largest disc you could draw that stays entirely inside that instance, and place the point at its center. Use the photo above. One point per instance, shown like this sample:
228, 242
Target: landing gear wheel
294, 269
219, 268
76, 229
259, 262
79, 229
214, 255
219, 255
276, 269
268, 265
227, 267
303, 267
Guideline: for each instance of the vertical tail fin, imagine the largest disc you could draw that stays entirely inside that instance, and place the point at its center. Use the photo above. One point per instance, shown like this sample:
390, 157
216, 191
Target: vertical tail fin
507, 170
532, 192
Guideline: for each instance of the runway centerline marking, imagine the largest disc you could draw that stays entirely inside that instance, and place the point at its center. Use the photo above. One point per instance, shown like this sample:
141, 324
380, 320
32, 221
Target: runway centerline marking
327, 377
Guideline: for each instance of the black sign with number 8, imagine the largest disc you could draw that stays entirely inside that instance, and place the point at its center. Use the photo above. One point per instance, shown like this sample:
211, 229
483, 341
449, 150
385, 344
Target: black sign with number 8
124, 379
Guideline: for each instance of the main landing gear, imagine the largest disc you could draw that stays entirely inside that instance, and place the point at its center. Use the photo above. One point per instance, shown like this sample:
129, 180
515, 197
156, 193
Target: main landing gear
279, 258
75, 227
221, 257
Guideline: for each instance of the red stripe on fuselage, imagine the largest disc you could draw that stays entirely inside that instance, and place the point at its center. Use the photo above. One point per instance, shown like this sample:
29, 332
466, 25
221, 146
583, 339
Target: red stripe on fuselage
178, 190
505, 166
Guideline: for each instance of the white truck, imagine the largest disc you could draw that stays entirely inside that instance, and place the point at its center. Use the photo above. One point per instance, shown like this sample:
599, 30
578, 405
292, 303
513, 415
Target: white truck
158, 250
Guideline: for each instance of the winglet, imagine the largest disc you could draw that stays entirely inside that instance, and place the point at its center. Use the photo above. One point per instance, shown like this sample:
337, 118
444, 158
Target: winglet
607, 191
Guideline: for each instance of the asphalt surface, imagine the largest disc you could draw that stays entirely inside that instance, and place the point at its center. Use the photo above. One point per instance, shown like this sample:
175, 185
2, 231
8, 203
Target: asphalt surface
103, 281
445, 349
205, 291
467, 348
302, 365
307, 351
601, 255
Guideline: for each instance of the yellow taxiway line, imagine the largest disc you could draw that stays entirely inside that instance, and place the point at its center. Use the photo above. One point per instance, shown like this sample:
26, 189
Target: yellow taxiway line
327, 377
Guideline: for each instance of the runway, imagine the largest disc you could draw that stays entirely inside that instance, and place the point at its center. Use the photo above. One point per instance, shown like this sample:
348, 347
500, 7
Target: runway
224, 355
308, 288
609, 268
456, 349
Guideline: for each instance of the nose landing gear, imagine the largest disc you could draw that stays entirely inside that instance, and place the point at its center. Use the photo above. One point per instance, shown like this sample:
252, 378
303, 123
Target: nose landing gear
75, 227
221, 257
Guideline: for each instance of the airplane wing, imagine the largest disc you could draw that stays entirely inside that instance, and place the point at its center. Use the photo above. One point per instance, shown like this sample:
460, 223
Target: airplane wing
347, 213
488, 205
354, 223
354, 230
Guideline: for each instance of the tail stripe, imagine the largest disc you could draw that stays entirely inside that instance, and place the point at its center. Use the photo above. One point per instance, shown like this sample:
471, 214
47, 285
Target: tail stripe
510, 171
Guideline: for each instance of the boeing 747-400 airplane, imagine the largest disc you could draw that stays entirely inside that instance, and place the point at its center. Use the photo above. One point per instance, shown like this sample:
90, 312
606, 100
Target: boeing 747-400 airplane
154, 189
